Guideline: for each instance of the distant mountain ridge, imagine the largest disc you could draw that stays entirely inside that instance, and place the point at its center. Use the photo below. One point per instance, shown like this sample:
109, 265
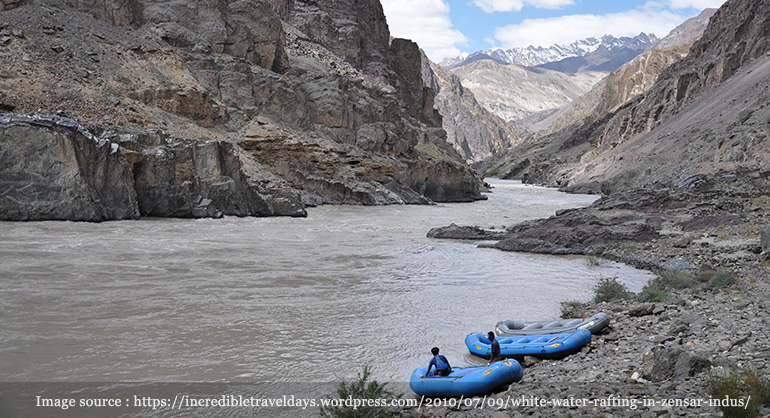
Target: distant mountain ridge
532, 56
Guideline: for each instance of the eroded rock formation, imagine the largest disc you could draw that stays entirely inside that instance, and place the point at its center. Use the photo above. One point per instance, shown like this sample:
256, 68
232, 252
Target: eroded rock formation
54, 168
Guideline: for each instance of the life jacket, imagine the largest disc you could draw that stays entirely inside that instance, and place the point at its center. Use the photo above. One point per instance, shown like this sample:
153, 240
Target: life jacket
441, 362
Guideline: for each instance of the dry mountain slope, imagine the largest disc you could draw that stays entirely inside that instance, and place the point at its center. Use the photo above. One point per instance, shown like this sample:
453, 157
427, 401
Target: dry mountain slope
517, 93
633, 78
250, 107
706, 112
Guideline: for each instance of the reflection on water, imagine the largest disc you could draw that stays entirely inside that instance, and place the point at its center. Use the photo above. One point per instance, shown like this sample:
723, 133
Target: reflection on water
274, 299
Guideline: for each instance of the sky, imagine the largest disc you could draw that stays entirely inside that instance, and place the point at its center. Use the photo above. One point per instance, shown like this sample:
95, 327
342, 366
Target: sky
447, 28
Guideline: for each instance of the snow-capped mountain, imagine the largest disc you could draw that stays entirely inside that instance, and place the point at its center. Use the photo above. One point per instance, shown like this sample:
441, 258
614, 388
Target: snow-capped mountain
533, 56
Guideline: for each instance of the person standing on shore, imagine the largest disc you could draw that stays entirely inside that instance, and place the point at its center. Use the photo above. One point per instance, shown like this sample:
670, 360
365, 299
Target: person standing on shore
495, 346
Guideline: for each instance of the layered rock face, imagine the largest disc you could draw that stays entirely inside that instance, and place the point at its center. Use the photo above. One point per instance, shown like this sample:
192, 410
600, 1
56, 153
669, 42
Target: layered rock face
55, 169
310, 98
196, 179
246, 29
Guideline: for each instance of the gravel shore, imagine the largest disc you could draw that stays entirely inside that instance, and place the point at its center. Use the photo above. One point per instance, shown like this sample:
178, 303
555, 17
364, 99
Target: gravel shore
655, 358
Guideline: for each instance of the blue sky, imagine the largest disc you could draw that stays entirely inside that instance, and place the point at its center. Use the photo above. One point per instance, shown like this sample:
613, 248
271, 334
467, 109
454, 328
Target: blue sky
446, 28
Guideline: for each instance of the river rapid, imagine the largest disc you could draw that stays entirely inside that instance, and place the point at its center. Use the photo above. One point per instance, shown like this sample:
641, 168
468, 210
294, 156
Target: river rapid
274, 299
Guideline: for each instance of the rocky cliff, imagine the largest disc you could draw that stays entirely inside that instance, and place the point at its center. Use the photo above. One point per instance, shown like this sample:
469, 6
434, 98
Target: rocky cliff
54, 168
307, 102
471, 129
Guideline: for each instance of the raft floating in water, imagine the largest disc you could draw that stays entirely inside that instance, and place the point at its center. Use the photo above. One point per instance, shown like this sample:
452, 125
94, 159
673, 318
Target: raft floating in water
468, 381
595, 324
550, 346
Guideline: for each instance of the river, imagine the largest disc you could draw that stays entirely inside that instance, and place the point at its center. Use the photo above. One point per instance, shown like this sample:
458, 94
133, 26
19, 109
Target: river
274, 299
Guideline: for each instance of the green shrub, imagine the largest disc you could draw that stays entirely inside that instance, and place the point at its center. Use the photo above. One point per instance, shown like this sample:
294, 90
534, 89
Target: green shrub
739, 384
657, 289
610, 290
653, 292
706, 276
684, 242
677, 280
360, 389
722, 279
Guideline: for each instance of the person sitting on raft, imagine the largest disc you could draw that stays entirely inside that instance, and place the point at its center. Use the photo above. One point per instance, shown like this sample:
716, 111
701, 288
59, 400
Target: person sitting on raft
440, 363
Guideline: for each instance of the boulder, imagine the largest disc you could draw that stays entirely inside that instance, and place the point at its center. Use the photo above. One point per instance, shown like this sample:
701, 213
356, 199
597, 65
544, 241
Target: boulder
455, 231
9, 4
642, 309
674, 363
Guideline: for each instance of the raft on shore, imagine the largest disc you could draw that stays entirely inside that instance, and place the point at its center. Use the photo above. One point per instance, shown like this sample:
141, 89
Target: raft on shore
548, 346
468, 381
595, 324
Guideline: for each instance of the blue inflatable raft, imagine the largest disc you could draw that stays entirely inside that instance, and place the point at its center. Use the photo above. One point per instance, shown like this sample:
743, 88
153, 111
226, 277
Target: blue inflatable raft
468, 381
550, 346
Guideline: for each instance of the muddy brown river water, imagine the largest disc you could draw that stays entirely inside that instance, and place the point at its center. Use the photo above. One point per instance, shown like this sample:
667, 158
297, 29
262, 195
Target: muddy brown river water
274, 299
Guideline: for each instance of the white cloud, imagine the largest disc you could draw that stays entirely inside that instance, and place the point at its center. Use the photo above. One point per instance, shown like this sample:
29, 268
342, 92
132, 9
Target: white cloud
426, 22
567, 29
491, 6
697, 4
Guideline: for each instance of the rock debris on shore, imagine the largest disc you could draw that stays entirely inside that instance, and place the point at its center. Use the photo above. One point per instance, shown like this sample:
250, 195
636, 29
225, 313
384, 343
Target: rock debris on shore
655, 359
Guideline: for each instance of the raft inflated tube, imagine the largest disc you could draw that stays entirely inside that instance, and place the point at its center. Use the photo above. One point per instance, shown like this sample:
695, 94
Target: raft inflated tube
551, 346
468, 381
595, 324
